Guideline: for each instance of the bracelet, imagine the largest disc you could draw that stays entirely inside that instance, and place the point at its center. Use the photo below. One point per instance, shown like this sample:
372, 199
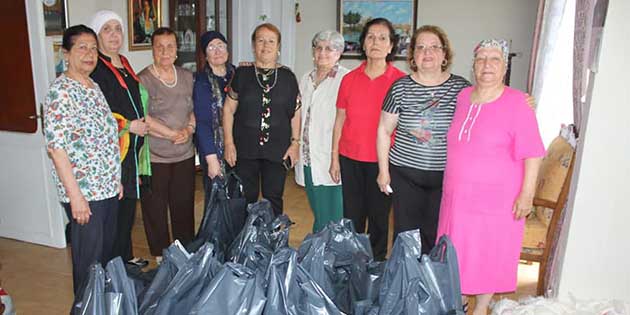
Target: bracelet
296, 140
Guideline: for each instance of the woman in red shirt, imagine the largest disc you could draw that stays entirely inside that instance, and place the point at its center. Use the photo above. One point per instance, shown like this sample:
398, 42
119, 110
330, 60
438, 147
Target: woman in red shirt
354, 161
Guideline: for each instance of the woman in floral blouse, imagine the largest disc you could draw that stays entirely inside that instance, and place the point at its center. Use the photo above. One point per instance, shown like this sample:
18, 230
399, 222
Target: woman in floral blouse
261, 120
82, 141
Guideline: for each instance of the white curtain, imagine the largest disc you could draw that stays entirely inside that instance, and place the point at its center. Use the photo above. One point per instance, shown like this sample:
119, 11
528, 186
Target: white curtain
247, 14
552, 86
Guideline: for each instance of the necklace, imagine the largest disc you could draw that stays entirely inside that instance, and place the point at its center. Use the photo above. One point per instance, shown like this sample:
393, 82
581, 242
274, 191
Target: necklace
264, 76
157, 74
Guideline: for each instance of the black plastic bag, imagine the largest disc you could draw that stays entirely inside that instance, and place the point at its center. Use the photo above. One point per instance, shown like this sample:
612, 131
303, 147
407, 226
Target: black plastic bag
119, 282
338, 258
402, 290
185, 288
292, 291
261, 228
440, 272
174, 258
224, 215
236, 289
93, 301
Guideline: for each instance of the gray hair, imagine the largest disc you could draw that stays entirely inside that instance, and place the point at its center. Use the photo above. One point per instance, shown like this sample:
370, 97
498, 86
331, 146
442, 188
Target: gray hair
335, 39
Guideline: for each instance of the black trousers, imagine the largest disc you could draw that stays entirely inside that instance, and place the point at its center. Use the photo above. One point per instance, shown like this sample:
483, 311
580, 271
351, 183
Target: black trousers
126, 217
93, 241
416, 199
363, 200
172, 192
257, 173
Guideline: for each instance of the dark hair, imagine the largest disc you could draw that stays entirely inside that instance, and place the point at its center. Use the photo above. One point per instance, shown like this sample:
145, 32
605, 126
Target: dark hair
72, 32
163, 31
446, 44
393, 38
270, 27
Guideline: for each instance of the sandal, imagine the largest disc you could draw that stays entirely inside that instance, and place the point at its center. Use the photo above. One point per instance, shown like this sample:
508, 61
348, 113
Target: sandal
139, 262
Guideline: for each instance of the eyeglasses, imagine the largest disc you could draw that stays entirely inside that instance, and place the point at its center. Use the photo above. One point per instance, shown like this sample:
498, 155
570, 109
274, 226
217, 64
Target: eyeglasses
326, 49
432, 48
218, 48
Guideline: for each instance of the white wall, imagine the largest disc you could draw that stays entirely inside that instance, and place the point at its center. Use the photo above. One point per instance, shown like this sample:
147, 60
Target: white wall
465, 22
80, 12
598, 246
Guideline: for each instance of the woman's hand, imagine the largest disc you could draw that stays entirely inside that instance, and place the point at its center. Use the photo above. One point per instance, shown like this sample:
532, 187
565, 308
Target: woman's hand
80, 210
383, 180
531, 101
139, 127
335, 169
214, 167
121, 191
230, 154
182, 136
523, 206
293, 153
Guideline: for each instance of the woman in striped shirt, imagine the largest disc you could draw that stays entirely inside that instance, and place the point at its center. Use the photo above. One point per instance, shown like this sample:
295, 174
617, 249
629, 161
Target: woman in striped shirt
419, 107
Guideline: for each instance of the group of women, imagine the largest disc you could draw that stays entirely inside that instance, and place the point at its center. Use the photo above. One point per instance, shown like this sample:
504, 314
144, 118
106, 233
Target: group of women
453, 158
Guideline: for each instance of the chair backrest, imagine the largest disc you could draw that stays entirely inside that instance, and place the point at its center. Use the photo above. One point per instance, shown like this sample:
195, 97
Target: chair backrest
554, 182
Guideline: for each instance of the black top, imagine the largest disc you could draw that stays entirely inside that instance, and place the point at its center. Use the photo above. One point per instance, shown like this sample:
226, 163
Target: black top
247, 120
120, 102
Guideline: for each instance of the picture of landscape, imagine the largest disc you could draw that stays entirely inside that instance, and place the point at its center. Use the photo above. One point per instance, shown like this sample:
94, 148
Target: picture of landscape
353, 14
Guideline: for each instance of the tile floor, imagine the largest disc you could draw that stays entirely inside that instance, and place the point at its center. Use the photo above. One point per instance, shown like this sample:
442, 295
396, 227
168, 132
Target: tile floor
39, 278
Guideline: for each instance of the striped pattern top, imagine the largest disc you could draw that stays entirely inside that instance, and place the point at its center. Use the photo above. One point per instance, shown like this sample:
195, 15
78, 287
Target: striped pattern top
424, 116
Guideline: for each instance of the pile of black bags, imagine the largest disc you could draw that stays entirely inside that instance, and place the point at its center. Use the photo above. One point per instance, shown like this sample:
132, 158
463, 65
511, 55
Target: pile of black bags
243, 265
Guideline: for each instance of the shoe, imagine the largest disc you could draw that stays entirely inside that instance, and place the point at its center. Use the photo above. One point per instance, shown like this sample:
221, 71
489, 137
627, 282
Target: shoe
139, 262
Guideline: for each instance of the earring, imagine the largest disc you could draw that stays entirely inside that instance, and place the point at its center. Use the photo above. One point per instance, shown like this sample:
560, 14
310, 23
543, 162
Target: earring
413, 62
444, 62
278, 53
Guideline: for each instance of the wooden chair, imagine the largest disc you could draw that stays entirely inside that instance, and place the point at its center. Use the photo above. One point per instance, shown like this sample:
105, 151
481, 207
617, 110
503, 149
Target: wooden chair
541, 252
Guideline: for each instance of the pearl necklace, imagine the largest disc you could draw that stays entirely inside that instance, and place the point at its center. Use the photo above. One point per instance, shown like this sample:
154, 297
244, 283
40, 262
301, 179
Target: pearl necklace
157, 74
267, 88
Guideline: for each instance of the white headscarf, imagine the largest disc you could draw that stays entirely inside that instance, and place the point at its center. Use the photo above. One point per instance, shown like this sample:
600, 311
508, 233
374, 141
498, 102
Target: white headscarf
100, 18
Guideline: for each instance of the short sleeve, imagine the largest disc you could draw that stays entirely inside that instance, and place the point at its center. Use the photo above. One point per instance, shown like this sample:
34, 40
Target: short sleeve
342, 95
235, 84
527, 140
391, 102
57, 116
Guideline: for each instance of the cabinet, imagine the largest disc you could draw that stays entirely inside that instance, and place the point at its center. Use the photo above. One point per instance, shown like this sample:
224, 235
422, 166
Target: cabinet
190, 19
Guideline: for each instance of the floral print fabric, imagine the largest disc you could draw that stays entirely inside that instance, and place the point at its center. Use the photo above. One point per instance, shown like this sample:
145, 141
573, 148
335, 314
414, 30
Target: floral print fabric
78, 120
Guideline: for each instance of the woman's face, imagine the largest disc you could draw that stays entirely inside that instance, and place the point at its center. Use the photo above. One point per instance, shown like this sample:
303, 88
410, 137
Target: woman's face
377, 44
83, 55
489, 66
266, 46
216, 52
326, 56
110, 38
429, 52
164, 50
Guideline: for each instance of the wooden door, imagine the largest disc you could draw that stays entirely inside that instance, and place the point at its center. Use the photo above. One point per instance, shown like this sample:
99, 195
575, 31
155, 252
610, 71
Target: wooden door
17, 105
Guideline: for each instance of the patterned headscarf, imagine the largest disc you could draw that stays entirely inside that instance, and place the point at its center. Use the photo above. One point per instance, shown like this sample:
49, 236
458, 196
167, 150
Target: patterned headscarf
501, 44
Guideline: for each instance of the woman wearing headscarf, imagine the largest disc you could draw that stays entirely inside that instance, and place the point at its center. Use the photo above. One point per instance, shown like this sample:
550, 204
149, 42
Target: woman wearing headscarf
209, 93
261, 120
353, 157
319, 89
171, 192
82, 141
494, 151
121, 88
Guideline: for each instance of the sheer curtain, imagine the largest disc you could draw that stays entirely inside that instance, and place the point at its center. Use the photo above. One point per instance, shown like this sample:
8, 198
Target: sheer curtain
247, 14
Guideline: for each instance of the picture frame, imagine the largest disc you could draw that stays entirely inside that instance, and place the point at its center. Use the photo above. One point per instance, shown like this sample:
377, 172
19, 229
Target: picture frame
144, 17
55, 16
353, 14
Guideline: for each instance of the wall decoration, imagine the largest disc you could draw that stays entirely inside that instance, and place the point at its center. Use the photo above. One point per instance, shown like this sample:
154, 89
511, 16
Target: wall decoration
353, 14
55, 16
59, 63
144, 17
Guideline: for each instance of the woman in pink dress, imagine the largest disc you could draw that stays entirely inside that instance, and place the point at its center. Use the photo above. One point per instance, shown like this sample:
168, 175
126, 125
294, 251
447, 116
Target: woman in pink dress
494, 152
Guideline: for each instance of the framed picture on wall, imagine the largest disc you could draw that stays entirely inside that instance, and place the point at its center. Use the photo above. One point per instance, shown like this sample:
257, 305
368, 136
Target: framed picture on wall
353, 14
55, 16
144, 17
